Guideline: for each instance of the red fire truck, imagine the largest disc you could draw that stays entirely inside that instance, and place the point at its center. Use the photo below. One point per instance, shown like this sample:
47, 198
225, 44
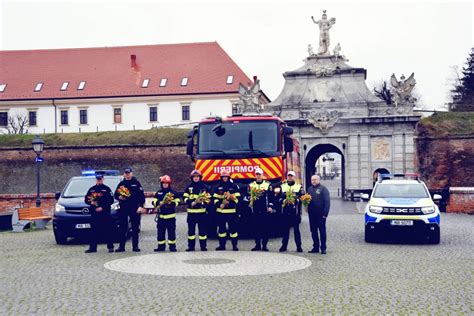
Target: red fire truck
239, 144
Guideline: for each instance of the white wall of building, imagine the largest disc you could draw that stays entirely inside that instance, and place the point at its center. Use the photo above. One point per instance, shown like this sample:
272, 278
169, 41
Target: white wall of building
135, 113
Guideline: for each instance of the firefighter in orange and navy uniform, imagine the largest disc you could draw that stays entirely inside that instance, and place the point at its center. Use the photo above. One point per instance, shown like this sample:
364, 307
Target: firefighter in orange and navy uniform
166, 215
197, 213
226, 210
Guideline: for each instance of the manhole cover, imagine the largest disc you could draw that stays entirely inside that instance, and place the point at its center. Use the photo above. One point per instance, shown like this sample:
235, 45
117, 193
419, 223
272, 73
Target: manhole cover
209, 263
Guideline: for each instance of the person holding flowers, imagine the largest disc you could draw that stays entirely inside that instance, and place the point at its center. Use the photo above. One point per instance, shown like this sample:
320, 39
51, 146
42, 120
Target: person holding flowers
166, 200
131, 198
318, 210
226, 197
291, 210
197, 198
99, 198
260, 201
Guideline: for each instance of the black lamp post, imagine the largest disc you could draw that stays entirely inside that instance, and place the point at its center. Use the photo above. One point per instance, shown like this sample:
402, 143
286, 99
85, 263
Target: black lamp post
38, 145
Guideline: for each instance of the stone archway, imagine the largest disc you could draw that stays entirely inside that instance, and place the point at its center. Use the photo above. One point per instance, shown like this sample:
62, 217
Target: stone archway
375, 174
313, 155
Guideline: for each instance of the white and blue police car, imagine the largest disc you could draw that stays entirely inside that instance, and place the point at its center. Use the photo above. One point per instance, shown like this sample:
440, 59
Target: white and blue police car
401, 205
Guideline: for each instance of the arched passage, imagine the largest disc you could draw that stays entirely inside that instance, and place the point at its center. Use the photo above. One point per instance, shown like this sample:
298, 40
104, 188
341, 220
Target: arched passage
313, 156
377, 172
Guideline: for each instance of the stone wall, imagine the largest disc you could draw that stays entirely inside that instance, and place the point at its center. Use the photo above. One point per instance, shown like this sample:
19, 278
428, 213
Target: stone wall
18, 169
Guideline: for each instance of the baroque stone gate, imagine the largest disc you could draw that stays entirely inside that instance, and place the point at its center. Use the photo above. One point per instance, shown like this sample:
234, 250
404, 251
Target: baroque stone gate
331, 109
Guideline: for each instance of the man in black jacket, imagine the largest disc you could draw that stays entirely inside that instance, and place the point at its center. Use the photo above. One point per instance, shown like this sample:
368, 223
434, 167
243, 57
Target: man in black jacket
318, 210
99, 198
131, 198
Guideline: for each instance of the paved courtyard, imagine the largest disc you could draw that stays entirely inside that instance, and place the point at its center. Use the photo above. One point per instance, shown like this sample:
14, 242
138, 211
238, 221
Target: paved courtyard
40, 277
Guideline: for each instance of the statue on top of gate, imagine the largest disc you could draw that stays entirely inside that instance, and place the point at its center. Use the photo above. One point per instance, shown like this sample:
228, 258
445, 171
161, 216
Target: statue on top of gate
403, 89
250, 98
324, 27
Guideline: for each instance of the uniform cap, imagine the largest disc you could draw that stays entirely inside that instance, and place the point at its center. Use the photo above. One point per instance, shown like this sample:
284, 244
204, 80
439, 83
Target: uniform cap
291, 173
128, 170
196, 172
225, 173
258, 171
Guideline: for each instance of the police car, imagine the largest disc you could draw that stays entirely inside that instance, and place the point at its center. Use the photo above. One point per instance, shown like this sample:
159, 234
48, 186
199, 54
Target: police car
71, 215
401, 205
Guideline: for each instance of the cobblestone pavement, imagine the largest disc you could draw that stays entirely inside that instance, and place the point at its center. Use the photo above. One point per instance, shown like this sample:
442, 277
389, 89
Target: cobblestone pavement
39, 277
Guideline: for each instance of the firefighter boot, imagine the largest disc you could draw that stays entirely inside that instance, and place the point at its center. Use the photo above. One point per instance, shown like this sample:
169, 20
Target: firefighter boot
161, 247
191, 244
258, 246
173, 247
222, 242
264, 245
234, 244
203, 244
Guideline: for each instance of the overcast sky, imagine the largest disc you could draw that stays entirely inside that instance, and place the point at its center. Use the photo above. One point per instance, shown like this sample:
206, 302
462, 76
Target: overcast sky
265, 38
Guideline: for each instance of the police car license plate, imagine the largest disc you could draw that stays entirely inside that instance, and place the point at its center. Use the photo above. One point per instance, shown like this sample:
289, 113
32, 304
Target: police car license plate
82, 226
401, 223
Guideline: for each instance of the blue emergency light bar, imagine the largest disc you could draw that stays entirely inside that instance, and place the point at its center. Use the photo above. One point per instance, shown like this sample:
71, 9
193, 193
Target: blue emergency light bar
388, 176
92, 173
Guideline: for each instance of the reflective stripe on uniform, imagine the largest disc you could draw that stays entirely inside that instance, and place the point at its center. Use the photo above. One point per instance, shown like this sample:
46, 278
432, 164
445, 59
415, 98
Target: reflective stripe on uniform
171, 242
226, 210
196, 210
168, 216
222, 234
234, 235
192, 237
202, 237
161, 242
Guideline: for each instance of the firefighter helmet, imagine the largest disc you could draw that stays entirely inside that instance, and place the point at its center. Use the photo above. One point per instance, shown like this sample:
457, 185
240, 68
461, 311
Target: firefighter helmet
225, 173
165, 179
196, 172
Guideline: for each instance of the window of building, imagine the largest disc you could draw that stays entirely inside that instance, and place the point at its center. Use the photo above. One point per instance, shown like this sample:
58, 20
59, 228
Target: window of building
163, 82
32, 118
145, 83
235, 108
117, 115
38, 86
2, 87
3, 118
83, 116
64, 86
81, 85
64, 117
184, 81
185, 112
230, 79
153, 114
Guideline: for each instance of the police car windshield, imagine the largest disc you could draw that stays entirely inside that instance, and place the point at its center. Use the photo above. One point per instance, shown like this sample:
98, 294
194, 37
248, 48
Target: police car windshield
252, 136
78, 187
386, 190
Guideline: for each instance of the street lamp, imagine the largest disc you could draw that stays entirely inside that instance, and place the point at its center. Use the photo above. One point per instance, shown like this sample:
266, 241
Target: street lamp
38, 145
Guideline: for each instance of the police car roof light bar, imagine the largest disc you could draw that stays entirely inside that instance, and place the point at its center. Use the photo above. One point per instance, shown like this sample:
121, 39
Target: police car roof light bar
92, 173
388, 176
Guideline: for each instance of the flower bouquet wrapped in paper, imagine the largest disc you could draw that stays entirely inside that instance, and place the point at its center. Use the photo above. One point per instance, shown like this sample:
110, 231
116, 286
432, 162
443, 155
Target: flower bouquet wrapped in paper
94, 198
203, 198
290, 199
305, 199
124, 191
255, 194
169, 198
229, 197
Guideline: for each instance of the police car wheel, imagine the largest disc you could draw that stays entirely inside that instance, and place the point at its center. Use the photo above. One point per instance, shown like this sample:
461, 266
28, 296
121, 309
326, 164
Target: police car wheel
369, 235
61, 239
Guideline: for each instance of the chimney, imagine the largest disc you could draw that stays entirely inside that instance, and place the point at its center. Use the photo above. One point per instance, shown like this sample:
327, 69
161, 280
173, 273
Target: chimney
133, 61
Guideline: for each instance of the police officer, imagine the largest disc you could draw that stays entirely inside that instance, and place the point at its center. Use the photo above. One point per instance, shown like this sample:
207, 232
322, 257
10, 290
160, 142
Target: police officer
226, 197
197, 214
291, 212
131, 198
166, 200
261, 209
100, 198
318, 210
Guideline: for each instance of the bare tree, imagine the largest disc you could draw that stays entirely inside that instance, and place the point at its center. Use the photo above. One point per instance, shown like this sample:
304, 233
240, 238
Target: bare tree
18, 124
382, 91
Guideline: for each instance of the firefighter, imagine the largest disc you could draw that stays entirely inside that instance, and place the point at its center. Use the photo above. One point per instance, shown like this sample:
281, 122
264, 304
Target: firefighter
166, 200
196, 207
100, 198
262, 207
131, 198
226, 197
291, 210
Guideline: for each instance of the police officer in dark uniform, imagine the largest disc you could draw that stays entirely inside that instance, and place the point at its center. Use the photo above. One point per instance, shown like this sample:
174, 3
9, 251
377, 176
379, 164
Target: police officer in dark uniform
261, 209
226, 197
131, 197
291, 212
197, 213
166, 200
99, 198
318, 210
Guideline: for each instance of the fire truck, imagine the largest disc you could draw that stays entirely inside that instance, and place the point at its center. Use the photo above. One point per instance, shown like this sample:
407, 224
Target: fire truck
239, 144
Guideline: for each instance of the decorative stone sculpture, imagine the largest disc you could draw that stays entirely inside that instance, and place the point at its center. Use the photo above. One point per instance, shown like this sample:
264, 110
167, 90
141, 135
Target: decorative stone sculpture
323, 119
310, 50
403, 89
381, 149
250, 98
324, 39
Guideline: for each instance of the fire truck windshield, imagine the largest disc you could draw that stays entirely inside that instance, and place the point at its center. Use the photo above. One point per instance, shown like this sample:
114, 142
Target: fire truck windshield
259, 138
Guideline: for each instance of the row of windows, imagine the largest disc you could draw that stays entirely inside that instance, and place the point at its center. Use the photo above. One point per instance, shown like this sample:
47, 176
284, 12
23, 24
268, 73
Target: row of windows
82, 84
83, 117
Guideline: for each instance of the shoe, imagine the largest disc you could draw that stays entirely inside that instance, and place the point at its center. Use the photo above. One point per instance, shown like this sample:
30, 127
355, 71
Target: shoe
314, 250
159, 249
235, 248
111, 249
264, 249
299, 250
220, 248
189, 249
282, 249
136, 249
90, 250
120, 250
323, 252
256, 248
203, 249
